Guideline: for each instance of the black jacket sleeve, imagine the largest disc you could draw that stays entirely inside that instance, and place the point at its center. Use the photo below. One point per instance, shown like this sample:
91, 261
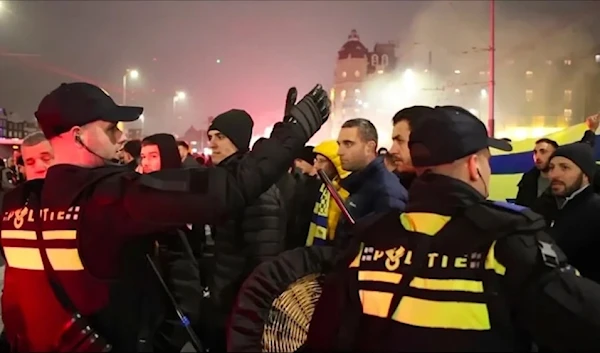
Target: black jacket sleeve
263, 226
589, 137
176, 197
557, 307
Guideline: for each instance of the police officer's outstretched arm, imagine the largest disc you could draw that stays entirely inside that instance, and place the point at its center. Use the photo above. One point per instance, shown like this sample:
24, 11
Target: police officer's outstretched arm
209, 194
550, 300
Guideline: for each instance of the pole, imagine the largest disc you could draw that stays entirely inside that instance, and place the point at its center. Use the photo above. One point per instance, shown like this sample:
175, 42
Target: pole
492, 83
125, 89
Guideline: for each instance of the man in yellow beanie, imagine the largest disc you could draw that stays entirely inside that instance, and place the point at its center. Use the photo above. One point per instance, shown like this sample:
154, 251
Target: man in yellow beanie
326, 213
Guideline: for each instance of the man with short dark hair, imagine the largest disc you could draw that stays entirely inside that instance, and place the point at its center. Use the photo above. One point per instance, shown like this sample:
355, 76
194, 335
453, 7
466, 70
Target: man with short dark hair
37, 155
130, 154
187, 160
404, 122
373, 189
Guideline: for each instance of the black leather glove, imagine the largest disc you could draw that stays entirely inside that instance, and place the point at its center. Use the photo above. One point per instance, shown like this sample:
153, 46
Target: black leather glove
311, 112
290, 100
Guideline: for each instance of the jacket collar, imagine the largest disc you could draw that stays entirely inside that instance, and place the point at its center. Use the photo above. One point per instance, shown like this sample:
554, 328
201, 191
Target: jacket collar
435, 193
354, 181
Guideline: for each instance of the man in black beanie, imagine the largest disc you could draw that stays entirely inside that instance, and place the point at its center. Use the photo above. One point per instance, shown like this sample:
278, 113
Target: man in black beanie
230, 133
247, 238
571, 212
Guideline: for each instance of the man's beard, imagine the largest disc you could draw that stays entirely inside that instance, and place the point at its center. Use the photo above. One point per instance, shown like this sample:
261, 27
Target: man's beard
569, 190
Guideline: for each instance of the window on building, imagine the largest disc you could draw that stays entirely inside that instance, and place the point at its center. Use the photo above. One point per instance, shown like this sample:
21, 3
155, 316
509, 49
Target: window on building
343, 95
356, 73
568, 114
568, 62
528, 95
385, 60
374, 60
568, 95
344, 74
597, 58
529, 74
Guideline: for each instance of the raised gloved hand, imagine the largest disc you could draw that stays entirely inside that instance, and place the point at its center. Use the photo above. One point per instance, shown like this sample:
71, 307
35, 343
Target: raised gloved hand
311, 112
290, 100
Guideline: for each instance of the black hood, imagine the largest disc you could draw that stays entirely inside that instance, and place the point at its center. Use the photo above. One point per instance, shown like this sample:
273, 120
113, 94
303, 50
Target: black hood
167, 146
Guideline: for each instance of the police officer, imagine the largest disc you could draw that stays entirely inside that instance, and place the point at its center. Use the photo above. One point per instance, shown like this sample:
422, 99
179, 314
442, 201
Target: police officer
75, 243
456, 272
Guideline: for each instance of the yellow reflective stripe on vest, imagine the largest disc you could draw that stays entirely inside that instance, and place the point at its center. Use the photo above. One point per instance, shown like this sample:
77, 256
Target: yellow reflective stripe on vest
446, 315
31, 258
375, 303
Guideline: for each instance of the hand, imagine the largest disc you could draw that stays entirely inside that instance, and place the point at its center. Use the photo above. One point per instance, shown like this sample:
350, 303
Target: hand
311, 112
592, 122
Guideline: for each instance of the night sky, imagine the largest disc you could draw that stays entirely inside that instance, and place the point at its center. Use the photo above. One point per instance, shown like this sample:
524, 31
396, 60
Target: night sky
264, 47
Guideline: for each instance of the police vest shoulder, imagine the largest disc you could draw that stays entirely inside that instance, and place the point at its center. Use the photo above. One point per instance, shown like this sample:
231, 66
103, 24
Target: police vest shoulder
490, 215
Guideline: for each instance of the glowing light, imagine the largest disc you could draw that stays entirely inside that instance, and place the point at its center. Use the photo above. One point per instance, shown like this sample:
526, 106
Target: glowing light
474, 112
142, 118
180, 95
457, 72
207, 151
134, 74
483, 93
218, 61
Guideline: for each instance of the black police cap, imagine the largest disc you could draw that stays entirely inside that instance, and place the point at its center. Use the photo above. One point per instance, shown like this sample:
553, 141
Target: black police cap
447, 134
78, 104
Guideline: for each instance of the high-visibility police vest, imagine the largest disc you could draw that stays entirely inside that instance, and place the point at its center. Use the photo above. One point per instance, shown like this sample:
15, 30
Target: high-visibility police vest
33, 317
447, 298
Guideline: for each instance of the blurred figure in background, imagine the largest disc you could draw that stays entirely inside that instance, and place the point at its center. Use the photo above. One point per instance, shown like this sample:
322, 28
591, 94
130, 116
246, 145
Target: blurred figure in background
130, 154
187, 160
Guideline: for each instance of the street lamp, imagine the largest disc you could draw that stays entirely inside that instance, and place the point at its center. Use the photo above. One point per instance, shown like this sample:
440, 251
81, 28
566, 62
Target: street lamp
178, 97
129, 74
142, 120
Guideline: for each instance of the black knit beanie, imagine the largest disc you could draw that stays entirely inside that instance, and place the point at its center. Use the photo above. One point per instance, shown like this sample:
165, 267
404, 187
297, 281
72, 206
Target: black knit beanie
581, 154
237, 126
307, 154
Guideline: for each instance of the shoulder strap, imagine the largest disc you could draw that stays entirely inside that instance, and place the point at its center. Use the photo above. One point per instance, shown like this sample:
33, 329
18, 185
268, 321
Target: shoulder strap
59, 291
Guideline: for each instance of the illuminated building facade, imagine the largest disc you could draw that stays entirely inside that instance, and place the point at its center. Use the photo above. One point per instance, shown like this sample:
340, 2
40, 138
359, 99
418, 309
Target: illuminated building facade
355, 67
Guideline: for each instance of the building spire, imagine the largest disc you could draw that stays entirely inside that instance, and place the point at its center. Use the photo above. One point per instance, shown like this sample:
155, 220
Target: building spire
353, 36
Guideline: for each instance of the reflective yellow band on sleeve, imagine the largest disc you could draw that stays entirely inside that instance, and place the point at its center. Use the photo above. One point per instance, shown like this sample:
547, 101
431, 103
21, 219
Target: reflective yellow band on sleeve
444, 315
375, 303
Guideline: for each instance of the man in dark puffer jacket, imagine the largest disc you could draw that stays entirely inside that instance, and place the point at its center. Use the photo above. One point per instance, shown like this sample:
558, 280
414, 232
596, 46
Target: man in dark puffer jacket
246, 239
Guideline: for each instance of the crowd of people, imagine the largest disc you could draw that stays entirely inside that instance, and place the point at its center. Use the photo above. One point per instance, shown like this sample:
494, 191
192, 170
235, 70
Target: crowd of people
98, 214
